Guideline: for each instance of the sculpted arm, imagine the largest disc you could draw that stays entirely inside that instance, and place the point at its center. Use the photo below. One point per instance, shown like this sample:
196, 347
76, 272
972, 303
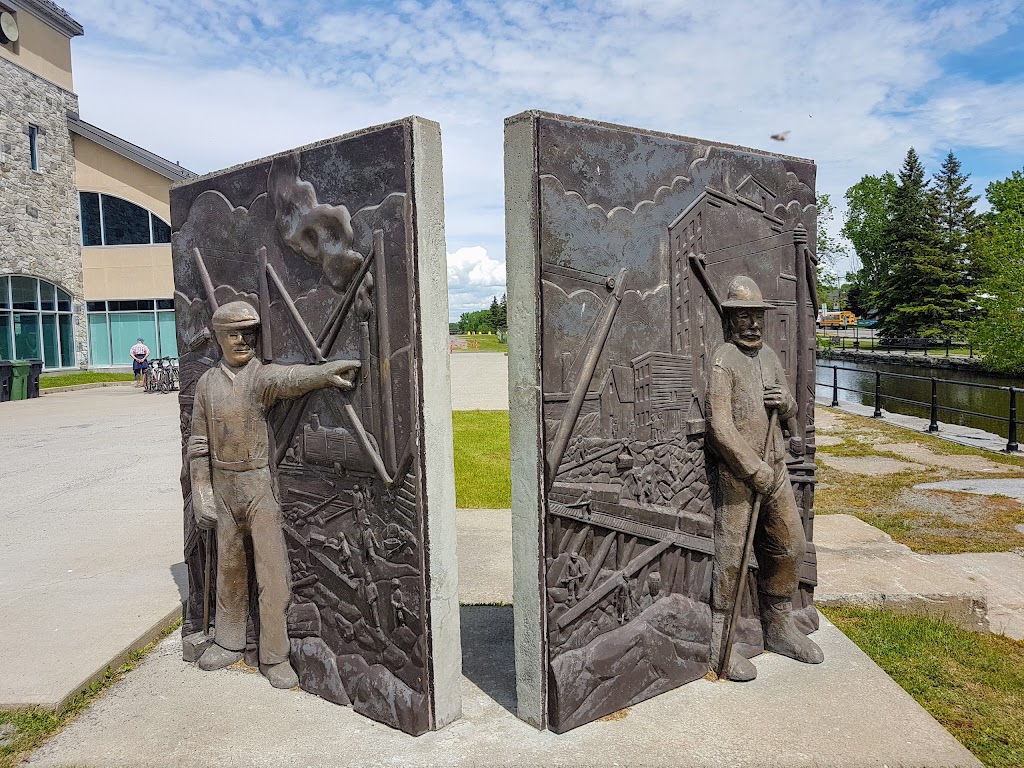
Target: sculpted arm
286, 382
204, 508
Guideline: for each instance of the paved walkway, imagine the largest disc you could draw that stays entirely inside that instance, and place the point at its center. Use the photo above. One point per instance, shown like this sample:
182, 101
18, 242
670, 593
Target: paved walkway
479, 381
90, 556
975, 438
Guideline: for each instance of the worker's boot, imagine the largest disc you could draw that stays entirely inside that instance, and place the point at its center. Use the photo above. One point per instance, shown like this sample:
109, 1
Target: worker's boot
216, 657
280, 675
741, 670
781, 635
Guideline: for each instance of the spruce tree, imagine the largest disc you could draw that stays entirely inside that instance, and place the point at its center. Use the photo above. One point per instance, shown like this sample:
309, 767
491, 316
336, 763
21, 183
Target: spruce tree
957, 225
921, 294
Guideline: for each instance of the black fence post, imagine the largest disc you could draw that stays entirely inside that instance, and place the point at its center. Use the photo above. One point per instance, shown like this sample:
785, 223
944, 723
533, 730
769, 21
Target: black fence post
1011, 438
835, 387
933, 424
878, 395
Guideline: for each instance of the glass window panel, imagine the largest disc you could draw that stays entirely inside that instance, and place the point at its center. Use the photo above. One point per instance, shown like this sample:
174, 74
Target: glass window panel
51, 354
23, 290
99, 340
33, 147
165, 303
124, 223
67, 341
96, 306
63, 301
89, 204
26, 336
161, 230
5, 294
47, 300
5, 336
125, 329
168, 341
134, 305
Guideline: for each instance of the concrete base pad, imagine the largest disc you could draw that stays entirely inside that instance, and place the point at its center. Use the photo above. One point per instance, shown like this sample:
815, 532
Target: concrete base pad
845, 712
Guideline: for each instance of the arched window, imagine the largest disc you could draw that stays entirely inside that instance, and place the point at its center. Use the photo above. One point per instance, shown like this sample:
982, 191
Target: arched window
110, 220
36, 321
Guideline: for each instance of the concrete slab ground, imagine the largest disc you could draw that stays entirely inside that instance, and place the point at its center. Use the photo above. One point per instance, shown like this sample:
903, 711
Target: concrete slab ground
844, 713
860, 565
90, 557
479, 381
485, 556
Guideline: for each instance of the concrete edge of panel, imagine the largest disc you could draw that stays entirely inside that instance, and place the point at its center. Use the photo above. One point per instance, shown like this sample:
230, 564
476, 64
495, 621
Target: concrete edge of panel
438, 451
521, 263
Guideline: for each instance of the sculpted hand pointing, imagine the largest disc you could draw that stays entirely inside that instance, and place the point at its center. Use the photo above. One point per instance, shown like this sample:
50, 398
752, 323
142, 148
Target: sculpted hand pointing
341, 373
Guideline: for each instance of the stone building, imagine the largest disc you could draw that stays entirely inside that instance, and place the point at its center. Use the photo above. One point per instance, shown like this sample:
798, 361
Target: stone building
85, 259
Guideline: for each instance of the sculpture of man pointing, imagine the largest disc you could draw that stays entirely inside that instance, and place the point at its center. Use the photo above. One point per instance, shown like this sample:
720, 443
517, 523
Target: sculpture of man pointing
233, 490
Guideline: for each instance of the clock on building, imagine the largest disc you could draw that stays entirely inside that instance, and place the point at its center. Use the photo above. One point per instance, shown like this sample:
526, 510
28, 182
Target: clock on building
8, 28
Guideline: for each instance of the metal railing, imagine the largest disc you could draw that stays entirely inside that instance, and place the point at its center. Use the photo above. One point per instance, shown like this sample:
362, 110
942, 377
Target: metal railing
933, 404
867, 339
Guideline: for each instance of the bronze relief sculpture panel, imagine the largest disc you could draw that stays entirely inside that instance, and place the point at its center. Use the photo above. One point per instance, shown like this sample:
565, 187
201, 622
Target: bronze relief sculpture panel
656, 260
300, 326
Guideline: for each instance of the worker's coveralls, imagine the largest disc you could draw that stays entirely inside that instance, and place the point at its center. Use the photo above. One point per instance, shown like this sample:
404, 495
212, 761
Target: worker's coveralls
737, 427
230, 466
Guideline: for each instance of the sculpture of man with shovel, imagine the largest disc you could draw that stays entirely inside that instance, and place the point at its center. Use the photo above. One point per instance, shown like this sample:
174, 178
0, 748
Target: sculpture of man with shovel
753, 498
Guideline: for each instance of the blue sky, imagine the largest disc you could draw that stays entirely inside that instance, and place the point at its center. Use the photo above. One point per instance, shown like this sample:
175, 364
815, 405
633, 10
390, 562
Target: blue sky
856, 83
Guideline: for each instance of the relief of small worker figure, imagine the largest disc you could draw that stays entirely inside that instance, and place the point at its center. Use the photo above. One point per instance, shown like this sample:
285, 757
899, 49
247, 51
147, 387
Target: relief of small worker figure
576, 570
402, 613
747, 381
367, 538
233, 490
340, 545
369, 592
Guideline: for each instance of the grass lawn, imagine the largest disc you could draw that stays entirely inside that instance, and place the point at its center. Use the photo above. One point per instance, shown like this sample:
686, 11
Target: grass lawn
22, 730
939, 522
485, 344
971, 683
482, 474
81, 377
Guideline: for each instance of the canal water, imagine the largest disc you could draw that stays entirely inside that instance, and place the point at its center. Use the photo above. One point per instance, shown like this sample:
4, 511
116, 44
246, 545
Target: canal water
989, 407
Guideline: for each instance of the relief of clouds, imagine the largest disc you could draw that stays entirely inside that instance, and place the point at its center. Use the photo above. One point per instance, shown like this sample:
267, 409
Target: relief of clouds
228, 238
570, 320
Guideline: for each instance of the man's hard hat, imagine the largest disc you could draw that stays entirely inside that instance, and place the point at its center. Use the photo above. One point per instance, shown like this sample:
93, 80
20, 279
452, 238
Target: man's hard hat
744, 294
234, 316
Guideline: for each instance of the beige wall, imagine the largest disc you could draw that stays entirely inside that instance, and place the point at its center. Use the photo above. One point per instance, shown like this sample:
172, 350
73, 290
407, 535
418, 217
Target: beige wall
41, 50
127, 272
124, 271
97, 169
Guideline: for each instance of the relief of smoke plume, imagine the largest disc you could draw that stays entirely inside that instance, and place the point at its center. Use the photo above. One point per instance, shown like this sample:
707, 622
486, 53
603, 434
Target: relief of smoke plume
321, 233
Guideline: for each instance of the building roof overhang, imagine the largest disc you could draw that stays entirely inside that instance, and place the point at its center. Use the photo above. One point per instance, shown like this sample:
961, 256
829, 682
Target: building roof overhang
51, 13
126, 149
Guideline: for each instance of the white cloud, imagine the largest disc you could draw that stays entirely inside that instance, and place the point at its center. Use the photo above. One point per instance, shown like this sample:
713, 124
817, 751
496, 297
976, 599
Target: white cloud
213, 82
474, 278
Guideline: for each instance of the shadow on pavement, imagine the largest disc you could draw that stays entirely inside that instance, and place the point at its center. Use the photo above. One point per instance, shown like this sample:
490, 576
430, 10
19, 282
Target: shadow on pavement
179, 572
488, 651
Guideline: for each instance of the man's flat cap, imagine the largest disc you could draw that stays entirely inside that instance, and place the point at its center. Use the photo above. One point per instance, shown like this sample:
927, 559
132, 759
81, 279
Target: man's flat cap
234, 316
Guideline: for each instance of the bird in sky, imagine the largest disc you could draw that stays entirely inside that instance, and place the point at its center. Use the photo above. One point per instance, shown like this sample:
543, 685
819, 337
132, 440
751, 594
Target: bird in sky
781, 136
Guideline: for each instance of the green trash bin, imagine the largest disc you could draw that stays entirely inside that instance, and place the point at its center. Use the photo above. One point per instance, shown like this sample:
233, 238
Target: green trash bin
21, 370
